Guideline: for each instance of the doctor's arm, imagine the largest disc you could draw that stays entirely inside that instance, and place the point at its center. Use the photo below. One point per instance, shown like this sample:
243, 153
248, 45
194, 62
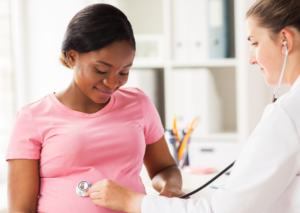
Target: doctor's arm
23, 185
267, 165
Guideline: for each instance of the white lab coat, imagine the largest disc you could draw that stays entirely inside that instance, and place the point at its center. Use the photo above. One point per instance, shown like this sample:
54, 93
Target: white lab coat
266, 176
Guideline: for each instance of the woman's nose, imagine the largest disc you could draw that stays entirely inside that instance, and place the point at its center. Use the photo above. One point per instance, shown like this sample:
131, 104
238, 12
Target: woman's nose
111, 82
251, 59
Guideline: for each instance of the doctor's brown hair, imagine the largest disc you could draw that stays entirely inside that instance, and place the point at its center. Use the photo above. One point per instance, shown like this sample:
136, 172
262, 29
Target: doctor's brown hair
95, 27
275, 15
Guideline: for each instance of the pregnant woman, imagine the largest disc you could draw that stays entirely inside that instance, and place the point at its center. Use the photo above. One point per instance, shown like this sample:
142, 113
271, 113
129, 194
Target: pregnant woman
93, 130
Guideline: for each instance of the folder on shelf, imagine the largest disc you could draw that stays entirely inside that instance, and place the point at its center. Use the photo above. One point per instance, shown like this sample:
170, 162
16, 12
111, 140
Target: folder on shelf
218, 28
198, 32
179, 30
199, 29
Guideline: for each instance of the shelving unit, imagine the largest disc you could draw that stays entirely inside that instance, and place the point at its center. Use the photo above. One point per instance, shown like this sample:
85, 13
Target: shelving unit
230, 62
240, 86
224, 70
147, 65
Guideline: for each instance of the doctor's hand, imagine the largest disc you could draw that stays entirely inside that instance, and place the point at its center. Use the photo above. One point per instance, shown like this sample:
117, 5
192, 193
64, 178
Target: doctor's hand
111, 195
171, 191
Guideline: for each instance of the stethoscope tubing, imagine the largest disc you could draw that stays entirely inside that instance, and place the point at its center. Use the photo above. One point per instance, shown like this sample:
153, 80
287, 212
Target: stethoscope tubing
209, 182
276, 92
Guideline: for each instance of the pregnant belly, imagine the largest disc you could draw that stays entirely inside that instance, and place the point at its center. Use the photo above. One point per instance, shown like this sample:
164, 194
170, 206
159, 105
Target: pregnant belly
59, 195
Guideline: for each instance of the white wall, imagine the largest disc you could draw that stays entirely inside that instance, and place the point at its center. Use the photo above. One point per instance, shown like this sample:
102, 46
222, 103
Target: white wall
6, 96
38, 31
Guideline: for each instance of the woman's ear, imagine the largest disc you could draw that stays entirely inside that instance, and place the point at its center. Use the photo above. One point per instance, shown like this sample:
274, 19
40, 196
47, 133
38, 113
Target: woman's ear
287, 35
72, 57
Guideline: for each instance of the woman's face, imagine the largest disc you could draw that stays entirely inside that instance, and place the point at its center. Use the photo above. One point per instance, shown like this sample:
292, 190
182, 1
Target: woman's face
265, 52
98, 74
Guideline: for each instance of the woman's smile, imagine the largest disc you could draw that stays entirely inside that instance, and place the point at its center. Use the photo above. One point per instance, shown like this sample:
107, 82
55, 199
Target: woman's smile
104, 93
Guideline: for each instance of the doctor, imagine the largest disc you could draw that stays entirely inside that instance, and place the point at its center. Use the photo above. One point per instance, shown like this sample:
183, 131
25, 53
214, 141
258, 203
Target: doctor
266, 177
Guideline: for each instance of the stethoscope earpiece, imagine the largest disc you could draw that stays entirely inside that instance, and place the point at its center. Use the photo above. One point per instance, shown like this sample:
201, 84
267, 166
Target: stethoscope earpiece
284, 43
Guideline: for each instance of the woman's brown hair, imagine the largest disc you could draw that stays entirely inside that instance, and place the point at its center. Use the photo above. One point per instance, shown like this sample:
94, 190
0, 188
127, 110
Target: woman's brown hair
275, 15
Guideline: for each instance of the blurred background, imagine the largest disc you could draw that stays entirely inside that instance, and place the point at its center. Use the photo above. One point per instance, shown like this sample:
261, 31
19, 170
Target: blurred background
191, 59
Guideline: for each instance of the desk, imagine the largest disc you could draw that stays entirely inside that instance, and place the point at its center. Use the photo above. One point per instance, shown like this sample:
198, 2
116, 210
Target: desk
190, 183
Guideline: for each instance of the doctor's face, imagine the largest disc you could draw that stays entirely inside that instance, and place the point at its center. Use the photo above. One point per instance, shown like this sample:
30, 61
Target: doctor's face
265, 52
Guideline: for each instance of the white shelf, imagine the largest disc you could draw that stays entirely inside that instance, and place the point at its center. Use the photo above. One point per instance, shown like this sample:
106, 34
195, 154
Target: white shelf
230, 62
147, 65
226, 136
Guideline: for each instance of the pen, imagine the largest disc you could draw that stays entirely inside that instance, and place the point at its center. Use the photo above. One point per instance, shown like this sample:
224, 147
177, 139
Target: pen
175, 131
186, 138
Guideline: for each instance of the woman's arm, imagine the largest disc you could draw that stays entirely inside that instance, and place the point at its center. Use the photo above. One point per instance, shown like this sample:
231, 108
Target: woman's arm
23, 185
162, 169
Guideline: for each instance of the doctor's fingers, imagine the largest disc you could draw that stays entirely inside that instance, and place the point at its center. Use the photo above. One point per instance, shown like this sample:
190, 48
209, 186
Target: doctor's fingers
98, 202
103, 182
108, 204
100, 186
96, 195
115, 204
93, 189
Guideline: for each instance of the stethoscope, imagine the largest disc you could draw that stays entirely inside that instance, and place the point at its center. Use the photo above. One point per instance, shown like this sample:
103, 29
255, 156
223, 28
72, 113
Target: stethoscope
274, 99
83, 186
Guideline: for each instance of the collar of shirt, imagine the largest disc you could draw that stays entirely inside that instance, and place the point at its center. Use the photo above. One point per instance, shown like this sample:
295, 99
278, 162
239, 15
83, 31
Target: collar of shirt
296, 84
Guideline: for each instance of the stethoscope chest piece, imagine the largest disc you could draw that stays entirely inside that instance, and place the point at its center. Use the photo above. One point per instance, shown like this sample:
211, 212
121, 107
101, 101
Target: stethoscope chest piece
82, 187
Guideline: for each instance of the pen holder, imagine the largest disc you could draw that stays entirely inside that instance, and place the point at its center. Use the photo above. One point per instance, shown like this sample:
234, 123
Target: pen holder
174, 147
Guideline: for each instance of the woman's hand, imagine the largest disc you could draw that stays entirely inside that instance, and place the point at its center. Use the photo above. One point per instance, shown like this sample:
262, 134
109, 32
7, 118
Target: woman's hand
111, 195
171, 191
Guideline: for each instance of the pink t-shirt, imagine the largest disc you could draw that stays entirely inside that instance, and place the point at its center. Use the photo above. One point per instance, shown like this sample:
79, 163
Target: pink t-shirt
74, 146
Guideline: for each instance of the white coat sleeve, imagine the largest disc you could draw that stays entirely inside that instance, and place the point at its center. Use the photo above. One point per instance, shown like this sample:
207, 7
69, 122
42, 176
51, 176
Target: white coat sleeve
267, 165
